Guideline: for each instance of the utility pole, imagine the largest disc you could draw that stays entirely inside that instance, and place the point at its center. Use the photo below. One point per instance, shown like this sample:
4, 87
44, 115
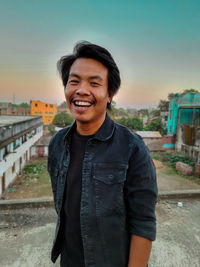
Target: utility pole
13, 98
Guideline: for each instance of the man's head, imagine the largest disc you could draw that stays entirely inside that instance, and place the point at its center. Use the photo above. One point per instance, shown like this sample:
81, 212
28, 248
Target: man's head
91, 51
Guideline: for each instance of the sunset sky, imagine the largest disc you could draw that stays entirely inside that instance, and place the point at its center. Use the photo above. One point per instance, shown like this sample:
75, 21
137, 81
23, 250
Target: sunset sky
155, 43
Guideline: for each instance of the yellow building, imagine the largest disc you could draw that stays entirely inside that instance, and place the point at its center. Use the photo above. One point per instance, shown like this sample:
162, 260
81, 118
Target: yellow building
46, 110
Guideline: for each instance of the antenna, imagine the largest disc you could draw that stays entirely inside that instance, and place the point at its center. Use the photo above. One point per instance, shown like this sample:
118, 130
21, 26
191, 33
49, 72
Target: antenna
13, 98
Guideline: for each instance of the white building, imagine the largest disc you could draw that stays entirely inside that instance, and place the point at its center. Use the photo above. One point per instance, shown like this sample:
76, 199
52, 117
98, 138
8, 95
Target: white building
152, 139
17, 135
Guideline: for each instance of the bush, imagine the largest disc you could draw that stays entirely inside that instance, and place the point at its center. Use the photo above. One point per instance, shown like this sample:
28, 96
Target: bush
154, 125
173, 158
51, 129
131, 123
62, 119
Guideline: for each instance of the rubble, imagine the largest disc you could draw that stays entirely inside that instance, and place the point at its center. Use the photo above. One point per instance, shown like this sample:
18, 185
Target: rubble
184, 168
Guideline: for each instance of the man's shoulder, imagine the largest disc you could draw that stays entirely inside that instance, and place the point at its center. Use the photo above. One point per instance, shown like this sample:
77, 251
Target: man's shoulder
130, 136
58, 138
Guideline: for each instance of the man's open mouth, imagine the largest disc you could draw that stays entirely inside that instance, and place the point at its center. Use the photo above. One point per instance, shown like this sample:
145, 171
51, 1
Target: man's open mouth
82, 103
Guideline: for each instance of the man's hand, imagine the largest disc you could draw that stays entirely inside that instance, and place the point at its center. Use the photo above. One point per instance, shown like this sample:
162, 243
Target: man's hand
140, 249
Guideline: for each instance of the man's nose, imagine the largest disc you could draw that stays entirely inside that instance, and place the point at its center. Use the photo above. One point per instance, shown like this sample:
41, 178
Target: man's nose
82, 90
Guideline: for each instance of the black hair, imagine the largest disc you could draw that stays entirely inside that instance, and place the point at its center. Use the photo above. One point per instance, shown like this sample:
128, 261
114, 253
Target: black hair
88, 50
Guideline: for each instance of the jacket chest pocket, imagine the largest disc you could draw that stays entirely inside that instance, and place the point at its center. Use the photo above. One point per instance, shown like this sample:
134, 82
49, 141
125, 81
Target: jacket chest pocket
108, 180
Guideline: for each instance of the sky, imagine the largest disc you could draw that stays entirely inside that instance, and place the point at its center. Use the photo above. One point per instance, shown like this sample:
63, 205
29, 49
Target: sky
155, 43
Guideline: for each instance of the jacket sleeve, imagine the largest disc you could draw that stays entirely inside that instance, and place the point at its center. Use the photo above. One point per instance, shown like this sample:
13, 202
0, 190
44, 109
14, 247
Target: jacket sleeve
141, 192
52, 168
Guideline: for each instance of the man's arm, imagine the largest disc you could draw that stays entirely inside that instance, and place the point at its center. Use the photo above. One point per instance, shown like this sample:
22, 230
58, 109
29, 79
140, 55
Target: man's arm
141, 196
140, 249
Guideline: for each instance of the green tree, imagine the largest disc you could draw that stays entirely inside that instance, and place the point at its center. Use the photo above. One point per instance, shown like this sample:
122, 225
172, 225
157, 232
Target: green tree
155, 113
163, 105
63, 105
154, 125
131, 123
144, 112
171, 95
24, 105
51, 129
186, 91
63, 119
191, 90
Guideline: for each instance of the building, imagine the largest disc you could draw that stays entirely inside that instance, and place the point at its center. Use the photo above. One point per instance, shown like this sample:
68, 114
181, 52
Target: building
63, 108
40, 148
184, 123
152, 139
164, 109
9, 109
46, 110
17, 135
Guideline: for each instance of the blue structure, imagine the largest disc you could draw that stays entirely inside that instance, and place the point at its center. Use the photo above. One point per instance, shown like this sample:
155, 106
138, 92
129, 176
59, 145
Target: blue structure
183, 109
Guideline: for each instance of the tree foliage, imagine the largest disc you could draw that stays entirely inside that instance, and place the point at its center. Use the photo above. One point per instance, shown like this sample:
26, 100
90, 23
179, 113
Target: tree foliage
186, 91
154, 125
116, 112
51, 129
63, 105
22, 105
191, 90
131, 123
155, 113
63, 119
144, 112
163, 105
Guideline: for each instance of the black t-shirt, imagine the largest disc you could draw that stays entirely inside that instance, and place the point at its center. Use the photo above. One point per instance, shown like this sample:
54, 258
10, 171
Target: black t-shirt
73, 255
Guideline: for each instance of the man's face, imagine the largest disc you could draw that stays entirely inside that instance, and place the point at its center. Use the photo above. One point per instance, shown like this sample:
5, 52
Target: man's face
86, 91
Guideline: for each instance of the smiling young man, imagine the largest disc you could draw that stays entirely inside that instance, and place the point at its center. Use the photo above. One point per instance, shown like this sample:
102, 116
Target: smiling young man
102, 175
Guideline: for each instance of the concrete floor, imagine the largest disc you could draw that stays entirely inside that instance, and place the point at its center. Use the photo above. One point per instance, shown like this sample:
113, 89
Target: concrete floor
26, 236
167, 182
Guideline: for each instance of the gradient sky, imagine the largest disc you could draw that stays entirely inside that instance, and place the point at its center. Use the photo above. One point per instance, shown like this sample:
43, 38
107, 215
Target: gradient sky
155, 43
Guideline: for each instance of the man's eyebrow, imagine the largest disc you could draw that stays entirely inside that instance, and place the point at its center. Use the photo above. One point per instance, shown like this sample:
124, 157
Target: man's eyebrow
96, 77
74, 75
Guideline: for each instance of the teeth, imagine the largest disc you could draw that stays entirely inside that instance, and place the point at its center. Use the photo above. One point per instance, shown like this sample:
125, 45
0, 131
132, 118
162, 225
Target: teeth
80, 103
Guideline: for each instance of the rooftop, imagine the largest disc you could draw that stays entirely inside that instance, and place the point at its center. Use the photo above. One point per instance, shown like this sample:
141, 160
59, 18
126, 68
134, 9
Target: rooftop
151, 134
7, 120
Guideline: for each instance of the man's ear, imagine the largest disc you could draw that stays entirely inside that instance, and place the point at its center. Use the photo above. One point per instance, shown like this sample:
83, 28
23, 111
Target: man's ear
110, 97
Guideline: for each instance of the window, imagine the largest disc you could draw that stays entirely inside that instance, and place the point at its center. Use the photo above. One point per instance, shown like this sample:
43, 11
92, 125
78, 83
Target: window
36, 104
46, 105
13, 167
51, 105
186, 115
197, 116
170, 114
3, 183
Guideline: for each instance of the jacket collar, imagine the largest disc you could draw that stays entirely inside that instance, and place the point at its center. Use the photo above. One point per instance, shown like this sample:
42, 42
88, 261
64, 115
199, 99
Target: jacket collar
104, 133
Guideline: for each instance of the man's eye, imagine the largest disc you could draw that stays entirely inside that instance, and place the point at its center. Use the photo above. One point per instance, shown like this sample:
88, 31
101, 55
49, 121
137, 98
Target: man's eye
94, 84
73, 82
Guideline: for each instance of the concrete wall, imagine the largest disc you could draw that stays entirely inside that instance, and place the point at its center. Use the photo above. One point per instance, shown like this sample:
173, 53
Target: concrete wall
14, 129
150, 140
191, 150
11, 165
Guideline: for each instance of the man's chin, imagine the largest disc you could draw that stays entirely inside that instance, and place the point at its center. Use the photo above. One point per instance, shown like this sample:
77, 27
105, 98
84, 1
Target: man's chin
81, 119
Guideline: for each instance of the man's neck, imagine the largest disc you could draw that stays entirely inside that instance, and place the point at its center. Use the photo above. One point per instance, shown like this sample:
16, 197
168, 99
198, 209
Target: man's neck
89, 128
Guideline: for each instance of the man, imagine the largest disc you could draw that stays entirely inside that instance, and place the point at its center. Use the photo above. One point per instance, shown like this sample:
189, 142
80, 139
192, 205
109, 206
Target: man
102, 175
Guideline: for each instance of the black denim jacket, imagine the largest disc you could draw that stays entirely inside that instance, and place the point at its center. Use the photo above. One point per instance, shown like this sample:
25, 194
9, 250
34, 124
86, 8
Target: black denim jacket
119, 192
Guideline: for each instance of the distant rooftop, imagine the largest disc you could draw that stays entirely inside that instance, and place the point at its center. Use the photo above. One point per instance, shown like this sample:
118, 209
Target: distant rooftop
6, 120
150, 134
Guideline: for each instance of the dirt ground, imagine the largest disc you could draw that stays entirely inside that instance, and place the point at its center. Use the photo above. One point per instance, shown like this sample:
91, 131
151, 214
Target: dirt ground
31, 184
37, 184
26, 236
157, 163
